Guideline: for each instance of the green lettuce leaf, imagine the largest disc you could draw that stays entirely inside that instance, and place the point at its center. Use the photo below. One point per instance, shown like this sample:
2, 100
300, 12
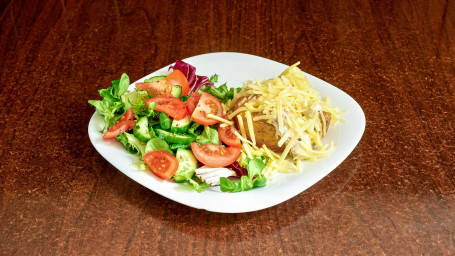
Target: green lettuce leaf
122, 86
222, 92
131, 143
111, 107
208, 136
157, 144
214, 78
254, 179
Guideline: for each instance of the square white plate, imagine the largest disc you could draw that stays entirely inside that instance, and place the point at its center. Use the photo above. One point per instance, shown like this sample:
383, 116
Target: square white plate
235, 68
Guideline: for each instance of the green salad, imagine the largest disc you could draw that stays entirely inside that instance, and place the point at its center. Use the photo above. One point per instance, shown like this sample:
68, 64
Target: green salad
177, 126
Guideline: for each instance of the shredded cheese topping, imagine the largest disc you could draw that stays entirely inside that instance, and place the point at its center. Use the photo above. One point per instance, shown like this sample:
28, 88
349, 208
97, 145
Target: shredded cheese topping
222, 120
289, 103
249, 121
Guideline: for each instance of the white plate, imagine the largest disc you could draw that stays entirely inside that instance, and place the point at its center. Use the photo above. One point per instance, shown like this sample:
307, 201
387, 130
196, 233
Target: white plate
235, 68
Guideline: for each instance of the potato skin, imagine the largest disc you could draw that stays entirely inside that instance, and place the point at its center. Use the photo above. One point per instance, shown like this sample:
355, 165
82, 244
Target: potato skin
327, 116
264, 133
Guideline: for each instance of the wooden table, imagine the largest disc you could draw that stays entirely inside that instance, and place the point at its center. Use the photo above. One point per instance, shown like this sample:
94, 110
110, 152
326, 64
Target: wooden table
394, 194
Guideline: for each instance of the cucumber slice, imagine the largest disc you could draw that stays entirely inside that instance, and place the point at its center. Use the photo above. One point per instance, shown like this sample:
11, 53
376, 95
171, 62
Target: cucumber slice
187, 165
181, 126
174, 147
154, 79
165, 121
176, 91
141, 129
174, 138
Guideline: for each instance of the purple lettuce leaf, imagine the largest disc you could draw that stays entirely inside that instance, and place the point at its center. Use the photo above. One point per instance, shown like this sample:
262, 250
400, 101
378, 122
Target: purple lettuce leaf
199, 83
239, 170
188, 70
196, 82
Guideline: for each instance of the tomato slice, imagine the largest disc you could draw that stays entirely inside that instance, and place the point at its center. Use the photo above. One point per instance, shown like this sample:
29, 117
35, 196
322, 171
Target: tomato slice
169, 105
227, 135
192, 101
129, 114
158, 88
207, 104
215, 155
119, 127
124, 124
162, 163
178, 78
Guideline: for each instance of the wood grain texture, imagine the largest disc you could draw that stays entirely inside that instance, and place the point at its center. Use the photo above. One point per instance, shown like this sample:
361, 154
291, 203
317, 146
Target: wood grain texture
394, 195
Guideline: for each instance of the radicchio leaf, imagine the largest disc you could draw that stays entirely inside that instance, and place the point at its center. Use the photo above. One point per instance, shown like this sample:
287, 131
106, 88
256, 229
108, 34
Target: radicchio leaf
188, 70
200, 81
239, 170
196, 82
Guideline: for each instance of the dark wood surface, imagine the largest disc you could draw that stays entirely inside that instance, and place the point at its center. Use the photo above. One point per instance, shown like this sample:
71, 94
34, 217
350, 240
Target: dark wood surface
394, 195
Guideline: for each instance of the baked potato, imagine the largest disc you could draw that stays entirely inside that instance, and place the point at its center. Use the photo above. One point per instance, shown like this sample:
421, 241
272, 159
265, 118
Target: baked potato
266, 133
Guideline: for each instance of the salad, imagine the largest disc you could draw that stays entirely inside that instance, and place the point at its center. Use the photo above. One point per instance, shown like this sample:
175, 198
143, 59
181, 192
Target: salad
178, 127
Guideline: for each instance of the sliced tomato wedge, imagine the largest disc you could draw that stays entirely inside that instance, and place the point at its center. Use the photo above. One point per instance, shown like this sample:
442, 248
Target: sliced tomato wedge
178, 78
192, 101
169, 105
129, 114
158, 88
119, 127
162, 163
215, 155
227, 135
124, 124
207, 104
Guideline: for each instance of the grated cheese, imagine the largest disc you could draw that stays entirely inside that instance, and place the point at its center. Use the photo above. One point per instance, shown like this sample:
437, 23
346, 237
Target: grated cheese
246, 148
236, 112
269, 152
220, 119
289, 102
249, 122
242, 138
242, 127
